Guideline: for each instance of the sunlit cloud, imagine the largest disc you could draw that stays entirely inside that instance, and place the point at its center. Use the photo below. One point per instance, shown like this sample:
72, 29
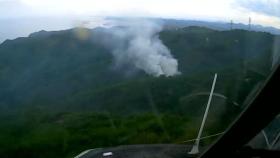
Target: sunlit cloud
264, 12
267, 7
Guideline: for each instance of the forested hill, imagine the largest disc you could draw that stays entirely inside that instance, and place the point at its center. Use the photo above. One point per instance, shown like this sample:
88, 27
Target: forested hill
48, 67
63, 92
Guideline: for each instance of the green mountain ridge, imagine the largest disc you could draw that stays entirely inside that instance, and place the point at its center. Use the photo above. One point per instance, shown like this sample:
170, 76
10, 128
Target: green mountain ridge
59, 63
61, 92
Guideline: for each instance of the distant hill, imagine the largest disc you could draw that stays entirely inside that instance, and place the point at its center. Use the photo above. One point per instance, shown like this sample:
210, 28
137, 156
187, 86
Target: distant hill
215, 25
221, 26
9, 27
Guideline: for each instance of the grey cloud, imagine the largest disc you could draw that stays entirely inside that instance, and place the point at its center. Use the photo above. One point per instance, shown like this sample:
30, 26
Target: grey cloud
267, 7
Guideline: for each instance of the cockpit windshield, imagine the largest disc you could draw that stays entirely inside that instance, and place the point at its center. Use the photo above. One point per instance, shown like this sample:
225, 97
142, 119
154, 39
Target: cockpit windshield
80, 75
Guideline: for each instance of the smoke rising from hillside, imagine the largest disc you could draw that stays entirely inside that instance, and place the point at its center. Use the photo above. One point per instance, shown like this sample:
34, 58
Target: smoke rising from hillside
142, 48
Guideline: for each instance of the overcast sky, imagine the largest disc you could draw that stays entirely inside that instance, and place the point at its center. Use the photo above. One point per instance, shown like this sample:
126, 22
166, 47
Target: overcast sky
264, 12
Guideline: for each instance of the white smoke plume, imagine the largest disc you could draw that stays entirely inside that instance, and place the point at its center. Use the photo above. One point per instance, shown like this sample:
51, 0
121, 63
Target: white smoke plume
143, 49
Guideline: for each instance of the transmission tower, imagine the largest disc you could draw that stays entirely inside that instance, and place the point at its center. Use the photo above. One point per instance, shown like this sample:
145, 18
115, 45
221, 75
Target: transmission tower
250, 23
